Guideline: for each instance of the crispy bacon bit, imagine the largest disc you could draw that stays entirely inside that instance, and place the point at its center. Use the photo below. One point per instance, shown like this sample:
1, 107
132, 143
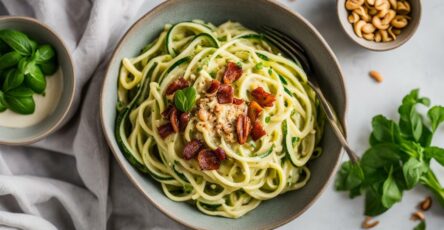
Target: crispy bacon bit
191, 149
225, 94
257, 131
165, 130
243, 127
263, 98
167, 112
232, 73
238, 101
220, 153
180, 83
174, 121
254, 109
214, 87
208, 160
184, 118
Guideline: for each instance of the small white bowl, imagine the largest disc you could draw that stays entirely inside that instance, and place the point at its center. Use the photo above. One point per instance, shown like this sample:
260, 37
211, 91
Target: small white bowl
405, 35
42, 34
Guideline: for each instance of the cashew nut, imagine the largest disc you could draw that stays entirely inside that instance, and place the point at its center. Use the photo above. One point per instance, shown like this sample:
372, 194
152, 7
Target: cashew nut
358, 27
384, 35
382, 13
393, 4
382, 4
368, 28
372, 11
399, 21
378, 24
391, 33
388, 17
378, 37
370, 2
369, 36
353, 4
353, 17
403, 7
362, 12
396, 31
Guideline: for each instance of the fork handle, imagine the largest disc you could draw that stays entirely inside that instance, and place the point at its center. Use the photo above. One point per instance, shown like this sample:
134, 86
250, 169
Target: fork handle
334, 123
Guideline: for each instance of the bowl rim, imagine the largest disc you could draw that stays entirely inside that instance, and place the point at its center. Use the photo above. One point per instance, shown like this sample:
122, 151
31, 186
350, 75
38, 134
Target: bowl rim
62, 117
394, 45
147, 196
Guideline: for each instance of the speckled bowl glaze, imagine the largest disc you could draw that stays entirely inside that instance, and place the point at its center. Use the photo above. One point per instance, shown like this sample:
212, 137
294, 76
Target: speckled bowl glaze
405, 35
42, 34
281, 209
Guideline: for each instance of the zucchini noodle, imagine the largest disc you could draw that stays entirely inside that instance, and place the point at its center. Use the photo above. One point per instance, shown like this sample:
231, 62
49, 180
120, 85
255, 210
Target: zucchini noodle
253, 172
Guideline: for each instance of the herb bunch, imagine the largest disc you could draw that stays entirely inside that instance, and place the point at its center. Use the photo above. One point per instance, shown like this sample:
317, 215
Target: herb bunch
398, 158
23, 66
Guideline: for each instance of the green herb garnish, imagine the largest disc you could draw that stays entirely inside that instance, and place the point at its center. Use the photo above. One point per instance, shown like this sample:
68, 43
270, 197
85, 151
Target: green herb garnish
398, 158
23, 67
185, 99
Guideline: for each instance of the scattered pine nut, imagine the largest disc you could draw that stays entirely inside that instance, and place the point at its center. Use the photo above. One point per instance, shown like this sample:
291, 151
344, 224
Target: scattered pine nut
376, 76
367, 224
426, 204
417, 216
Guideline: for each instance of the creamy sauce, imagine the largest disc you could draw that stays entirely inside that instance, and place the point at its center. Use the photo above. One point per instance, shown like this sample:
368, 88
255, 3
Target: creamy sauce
44, 105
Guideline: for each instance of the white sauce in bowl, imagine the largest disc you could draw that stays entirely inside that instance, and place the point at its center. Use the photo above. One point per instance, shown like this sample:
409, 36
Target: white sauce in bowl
44, 105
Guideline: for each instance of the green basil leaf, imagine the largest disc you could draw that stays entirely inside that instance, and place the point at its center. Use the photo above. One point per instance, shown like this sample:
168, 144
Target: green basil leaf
391, 194
420, 226
44, 53
20, 91
436, 116
49, 68
25, 65
435, 153
4, 48
350, 178
185, 99
14, 78
9, 59
18, 41
22, 105
384, 131
3, 105
411, 123
35, 79
373, 203
413, 170
380, 156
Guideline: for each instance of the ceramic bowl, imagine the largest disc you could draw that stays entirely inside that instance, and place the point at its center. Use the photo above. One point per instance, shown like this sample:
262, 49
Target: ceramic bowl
42, 34
405, 35
271, 213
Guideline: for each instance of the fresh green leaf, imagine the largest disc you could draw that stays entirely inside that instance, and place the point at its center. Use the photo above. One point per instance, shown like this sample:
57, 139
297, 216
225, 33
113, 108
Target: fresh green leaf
185, 99
380, 156
259, 66
44, 53
20, 92
436, 116
413, 169
384, 131
35, 79
9, 59
21, 105
435, 153
18, 41
411, 123
13, 79
25, 65
4, 48
373, 203
263, 57
3, 105
350, 177
267, 119
420, 226
49, 68
390, 191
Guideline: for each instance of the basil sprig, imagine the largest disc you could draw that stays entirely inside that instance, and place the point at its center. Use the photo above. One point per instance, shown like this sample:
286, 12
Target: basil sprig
185, 99
23, 66
398, 158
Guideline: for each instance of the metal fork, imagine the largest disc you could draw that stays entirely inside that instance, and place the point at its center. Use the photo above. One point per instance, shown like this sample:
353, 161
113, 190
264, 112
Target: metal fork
295, 51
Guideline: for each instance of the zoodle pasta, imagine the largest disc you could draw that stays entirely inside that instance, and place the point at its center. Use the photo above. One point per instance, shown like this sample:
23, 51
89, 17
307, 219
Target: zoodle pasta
218, 117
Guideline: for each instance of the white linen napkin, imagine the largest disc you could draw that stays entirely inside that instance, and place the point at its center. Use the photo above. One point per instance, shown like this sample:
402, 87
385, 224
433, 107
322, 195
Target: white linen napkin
69, 180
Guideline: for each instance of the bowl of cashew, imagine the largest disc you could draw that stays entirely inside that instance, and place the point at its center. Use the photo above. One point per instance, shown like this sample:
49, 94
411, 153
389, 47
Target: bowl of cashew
379, 25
